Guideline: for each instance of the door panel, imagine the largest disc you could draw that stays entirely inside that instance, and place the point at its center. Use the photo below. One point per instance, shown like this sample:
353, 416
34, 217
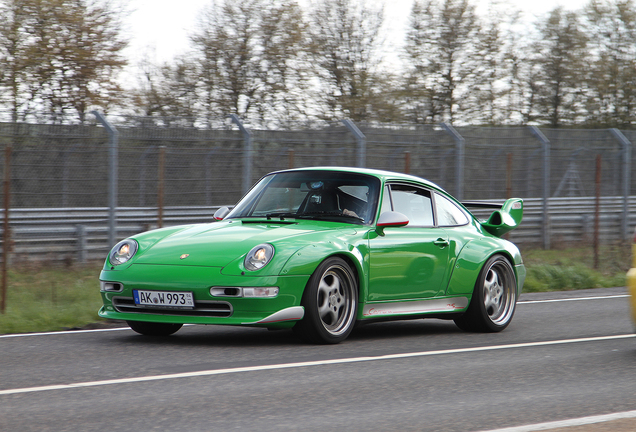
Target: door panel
408, 263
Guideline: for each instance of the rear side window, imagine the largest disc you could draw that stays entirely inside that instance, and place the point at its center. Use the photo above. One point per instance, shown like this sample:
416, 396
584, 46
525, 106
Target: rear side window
448, 214
414, 203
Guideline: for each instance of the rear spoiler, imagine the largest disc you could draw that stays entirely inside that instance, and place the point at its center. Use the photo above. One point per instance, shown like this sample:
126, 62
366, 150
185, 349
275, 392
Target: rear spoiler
501, 221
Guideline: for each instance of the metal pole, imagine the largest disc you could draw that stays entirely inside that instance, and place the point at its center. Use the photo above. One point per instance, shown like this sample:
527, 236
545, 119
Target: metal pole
407, 162
362, 142
247, 152
460, 146
597, 209
113, 150
627, 165
545, 143
6, 247
509, 176
160, 190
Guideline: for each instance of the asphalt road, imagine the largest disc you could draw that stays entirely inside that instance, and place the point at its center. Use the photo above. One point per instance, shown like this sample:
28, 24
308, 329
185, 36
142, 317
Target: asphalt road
564, 358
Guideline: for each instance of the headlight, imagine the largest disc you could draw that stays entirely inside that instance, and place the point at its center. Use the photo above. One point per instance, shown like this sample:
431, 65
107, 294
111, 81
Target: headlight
122, 252
259, 257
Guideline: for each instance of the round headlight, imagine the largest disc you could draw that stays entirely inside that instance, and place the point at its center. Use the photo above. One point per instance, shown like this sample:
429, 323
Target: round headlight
259, 257
122, 252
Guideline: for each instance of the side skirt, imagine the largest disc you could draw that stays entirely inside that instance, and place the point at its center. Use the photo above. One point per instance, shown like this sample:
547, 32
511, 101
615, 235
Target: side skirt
414, 307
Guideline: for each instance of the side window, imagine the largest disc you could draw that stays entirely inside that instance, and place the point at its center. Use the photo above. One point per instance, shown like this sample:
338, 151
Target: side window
413, 202
448, 214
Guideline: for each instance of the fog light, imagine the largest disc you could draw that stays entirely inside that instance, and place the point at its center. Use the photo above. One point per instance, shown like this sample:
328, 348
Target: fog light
260, 292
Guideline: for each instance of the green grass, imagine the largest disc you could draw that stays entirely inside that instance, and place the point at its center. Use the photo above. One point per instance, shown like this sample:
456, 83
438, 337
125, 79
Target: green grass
52, 297
47, 297
573, 268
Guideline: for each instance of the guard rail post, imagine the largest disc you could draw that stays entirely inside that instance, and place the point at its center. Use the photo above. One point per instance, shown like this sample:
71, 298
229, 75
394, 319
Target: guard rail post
81, 243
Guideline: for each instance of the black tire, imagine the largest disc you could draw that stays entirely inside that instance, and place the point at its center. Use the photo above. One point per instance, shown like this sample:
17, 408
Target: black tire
154, 329
494, 298
331, 303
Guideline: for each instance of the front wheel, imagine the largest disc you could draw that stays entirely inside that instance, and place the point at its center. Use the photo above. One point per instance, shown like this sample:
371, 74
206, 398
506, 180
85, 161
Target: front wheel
331, 301
494, 298
154, 329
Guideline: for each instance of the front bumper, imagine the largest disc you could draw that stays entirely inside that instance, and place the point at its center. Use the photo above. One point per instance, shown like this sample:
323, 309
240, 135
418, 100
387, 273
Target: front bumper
280, 311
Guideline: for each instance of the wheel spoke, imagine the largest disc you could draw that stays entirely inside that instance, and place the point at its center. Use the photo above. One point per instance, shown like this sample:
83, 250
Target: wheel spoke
493, 292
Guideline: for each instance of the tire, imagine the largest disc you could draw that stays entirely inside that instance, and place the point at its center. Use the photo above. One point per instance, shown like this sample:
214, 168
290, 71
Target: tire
154, 329
331, 303
494, 298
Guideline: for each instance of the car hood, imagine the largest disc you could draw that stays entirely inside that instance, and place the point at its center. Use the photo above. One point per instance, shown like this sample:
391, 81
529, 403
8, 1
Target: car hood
220, 243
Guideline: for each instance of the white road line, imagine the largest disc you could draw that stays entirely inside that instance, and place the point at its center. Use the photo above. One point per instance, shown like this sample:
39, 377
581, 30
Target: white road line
306, 364
573, 299
581, 421
62, 332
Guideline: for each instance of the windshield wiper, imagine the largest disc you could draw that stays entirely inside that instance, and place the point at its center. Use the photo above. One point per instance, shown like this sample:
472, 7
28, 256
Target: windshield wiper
332, 214
281, 215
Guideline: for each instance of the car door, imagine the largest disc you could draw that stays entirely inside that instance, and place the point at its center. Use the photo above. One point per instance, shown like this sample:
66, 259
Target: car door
408, 262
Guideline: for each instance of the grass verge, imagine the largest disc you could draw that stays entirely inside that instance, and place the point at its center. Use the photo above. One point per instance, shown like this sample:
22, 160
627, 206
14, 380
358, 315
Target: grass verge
573, 268
50, 297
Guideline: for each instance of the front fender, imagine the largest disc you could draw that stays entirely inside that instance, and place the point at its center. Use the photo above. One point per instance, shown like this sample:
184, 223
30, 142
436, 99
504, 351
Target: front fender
473, 257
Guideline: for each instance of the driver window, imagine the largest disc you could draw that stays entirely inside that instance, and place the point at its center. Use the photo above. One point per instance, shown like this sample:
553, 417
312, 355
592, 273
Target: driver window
414, 203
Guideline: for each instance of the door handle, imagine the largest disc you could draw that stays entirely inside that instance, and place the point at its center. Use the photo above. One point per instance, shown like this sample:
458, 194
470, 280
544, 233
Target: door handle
441, 243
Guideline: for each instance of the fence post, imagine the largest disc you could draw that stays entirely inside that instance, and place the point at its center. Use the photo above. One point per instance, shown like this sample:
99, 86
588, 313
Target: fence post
627, 167
247, 152
362, 142
160, 186
6, 246
545, 144
113, 150
460, 146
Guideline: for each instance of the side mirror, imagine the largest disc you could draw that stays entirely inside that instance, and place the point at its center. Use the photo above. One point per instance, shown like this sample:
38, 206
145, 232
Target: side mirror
221, 213
391, 219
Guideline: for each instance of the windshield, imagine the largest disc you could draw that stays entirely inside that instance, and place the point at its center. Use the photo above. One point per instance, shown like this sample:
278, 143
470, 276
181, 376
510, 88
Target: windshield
327, 195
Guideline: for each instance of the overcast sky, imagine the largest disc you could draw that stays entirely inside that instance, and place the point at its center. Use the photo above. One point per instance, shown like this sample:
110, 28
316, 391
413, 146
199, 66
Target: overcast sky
161, 27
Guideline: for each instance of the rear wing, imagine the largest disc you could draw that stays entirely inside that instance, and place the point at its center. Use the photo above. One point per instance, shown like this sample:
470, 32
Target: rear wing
501, 221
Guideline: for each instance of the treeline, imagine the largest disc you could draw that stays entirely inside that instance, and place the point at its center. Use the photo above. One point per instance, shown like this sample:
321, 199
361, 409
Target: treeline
273, 60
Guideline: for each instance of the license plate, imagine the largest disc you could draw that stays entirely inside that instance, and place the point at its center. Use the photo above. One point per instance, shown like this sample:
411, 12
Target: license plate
172, 299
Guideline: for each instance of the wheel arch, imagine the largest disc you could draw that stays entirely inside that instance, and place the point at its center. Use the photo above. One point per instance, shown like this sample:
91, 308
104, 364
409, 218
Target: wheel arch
306, 260
472, 259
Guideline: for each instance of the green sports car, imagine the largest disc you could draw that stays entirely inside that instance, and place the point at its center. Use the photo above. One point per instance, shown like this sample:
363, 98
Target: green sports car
319, 250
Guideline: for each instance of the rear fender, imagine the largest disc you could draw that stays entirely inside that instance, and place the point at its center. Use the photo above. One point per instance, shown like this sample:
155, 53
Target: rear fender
473, 257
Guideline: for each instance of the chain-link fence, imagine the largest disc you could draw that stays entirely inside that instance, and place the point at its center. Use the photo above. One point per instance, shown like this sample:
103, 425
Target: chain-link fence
68, 166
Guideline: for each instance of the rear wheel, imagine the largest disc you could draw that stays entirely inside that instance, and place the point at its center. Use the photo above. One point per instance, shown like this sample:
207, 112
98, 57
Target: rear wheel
494, 298
154, 329
330, 301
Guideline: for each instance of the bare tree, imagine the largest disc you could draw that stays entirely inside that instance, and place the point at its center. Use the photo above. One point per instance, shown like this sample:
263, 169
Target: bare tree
345, 44
611, 26
249, 56
441, 54
65, 55
560, 60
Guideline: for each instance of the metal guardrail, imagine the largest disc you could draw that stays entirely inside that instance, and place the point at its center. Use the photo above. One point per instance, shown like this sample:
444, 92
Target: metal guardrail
82, 234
